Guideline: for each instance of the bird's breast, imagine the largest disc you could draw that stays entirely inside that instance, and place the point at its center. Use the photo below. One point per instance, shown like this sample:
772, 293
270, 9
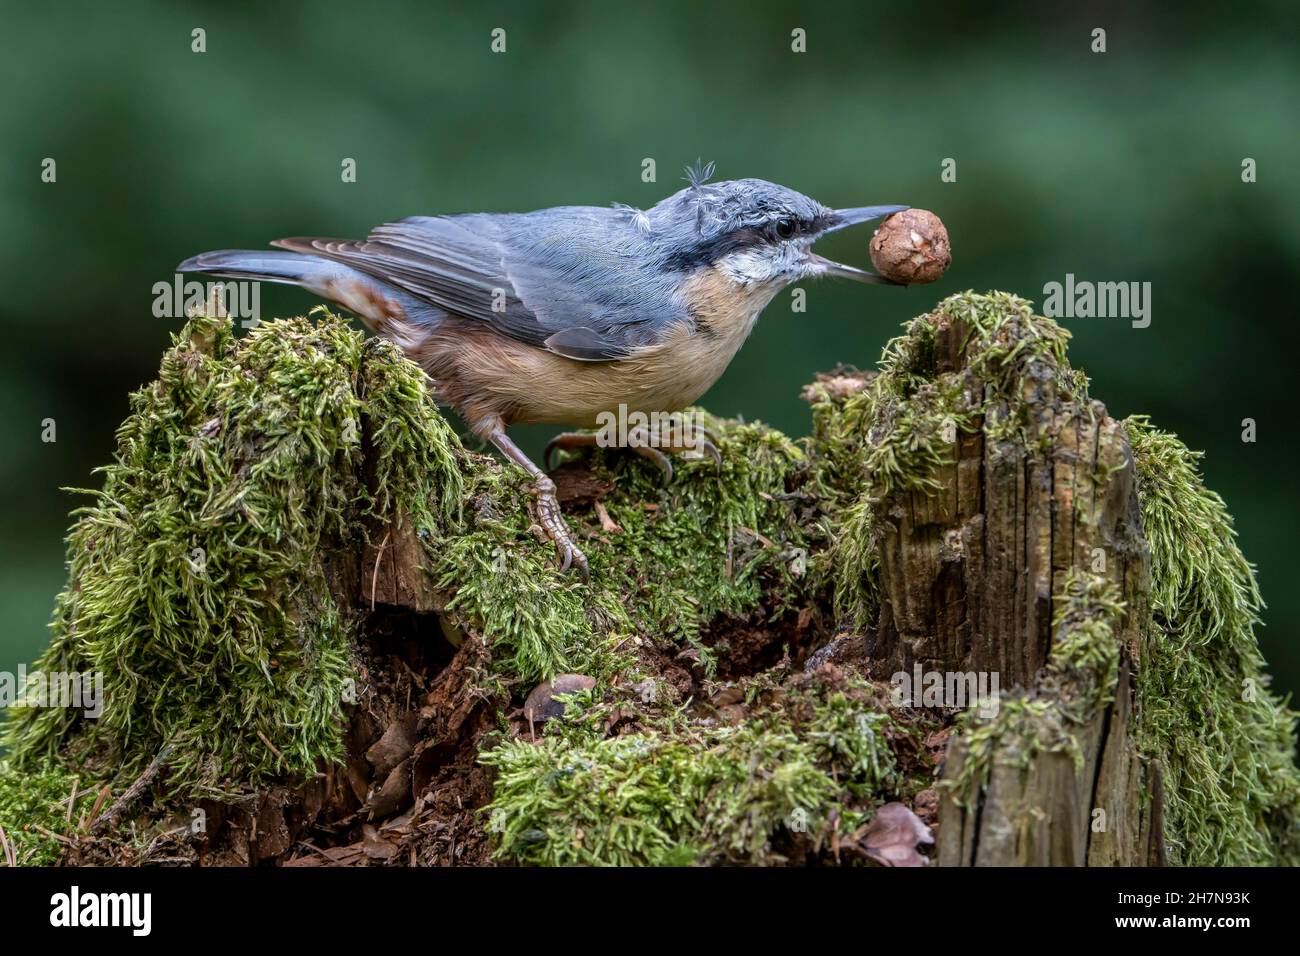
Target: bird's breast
482, 372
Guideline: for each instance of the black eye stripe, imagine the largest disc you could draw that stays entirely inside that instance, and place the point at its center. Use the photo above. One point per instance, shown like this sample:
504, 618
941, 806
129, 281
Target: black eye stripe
711, 250
708, 251
820, 222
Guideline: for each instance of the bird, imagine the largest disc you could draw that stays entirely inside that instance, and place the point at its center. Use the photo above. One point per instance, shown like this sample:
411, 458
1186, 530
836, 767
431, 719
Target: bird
565, 314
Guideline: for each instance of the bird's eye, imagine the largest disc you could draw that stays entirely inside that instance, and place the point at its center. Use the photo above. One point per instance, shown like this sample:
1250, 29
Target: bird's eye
784, 228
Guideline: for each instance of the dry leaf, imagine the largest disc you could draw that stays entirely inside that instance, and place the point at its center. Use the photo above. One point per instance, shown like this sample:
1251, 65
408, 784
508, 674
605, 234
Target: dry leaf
894, 834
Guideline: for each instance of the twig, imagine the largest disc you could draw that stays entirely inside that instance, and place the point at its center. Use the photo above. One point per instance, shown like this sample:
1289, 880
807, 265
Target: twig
315, 849
10, 859
374, 578
134, 791
758, 536
607, 523
262, 737
94, 811
52, 835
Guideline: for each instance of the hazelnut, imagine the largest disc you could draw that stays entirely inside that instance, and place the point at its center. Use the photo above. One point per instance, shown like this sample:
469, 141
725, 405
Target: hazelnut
541, 704
911, 247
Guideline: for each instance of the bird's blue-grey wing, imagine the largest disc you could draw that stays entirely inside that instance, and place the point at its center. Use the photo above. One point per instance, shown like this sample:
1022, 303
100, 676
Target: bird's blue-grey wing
572, 280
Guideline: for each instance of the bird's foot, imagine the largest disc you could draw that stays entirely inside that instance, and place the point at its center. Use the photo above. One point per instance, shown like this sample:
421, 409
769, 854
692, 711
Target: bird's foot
553, 524
548, 505
648, 443
691, 441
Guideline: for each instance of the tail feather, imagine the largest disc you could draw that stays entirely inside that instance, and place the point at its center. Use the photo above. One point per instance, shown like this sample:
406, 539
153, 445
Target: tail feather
384, 308
290, 268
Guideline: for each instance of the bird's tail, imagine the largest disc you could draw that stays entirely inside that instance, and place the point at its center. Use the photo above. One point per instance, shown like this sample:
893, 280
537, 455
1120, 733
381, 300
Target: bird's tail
288, 268
384, 308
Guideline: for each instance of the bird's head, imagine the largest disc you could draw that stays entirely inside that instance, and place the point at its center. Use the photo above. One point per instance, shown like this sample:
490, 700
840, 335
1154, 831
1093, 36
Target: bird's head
756, 232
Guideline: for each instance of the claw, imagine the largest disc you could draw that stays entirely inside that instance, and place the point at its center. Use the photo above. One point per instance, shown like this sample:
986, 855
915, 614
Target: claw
571, 557
712, 450
552, 522
662, 461
644, 443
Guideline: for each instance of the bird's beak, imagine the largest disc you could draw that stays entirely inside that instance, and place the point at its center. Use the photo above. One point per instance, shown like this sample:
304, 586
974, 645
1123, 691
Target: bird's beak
841, 219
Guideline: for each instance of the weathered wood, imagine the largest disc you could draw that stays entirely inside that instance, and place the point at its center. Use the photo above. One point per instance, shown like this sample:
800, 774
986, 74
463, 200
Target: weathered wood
970, 572
393, 569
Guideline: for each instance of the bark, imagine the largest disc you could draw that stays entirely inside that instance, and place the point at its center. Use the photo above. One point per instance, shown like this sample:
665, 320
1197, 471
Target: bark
969, 574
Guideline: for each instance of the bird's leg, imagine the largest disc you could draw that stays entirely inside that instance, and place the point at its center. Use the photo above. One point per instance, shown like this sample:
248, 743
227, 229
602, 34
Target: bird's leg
548, 506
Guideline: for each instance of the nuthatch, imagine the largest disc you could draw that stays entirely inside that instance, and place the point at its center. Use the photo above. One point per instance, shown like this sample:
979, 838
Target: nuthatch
560, 315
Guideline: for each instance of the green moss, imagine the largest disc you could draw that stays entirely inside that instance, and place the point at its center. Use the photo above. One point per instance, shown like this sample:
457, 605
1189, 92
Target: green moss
1226, 744
198, 589
709, 543
685, 790
1084, 660
895, 429
1024, 727
196, 582
34, 807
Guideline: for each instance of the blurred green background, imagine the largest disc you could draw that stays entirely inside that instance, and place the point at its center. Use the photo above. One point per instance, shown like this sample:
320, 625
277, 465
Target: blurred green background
1122, 166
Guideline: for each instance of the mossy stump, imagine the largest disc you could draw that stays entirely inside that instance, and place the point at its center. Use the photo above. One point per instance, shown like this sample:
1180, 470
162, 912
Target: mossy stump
1030, 530
317, 615
1021, 527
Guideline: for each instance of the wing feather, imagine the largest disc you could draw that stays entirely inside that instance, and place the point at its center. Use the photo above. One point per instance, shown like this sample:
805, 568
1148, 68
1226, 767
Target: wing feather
552, 279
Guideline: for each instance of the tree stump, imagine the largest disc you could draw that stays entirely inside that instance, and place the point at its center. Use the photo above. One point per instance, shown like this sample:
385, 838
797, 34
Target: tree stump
319, 629
972, 571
